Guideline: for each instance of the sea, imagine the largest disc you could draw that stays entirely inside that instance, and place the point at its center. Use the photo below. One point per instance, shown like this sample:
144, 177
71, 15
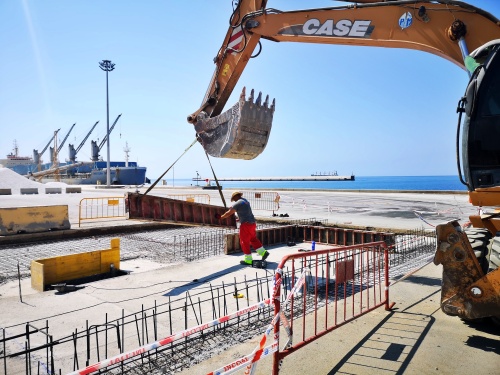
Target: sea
411, 183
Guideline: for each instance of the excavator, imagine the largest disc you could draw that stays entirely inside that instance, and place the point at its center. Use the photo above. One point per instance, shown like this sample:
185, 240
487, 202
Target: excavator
447, 28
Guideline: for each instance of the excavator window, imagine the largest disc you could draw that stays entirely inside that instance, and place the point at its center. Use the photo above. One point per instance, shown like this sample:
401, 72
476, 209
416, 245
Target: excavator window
491, 105
482, 128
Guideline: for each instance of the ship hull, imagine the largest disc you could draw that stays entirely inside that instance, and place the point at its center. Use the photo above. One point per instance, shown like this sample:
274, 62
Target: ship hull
118, 176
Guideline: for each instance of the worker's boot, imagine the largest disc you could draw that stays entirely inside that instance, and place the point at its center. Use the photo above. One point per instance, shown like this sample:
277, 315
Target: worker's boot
247, 261
263, 253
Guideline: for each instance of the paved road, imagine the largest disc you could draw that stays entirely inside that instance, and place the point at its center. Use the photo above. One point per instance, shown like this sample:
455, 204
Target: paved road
373, 209
428, 340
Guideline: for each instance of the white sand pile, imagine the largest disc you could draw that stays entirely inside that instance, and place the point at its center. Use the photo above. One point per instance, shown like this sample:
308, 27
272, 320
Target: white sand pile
14, 181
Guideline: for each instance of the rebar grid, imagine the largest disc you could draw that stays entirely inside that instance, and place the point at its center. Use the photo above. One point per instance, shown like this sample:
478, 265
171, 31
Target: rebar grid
162, 246
206, 302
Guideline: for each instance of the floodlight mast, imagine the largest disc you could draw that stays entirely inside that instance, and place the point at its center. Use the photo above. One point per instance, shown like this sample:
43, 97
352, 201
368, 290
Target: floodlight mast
107, 66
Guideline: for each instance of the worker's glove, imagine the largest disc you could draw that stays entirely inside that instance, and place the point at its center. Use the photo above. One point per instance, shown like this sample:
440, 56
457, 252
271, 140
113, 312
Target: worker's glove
217, 216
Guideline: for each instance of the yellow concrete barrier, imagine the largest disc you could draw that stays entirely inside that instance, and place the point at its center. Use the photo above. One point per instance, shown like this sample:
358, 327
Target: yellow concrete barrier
16, 220
54, 270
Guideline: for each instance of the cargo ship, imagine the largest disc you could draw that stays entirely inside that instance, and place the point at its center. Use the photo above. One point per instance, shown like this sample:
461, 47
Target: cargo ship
96, 174
19, 164
87, 173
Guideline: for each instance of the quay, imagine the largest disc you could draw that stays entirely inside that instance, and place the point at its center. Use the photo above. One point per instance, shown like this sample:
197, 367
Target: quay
292, 178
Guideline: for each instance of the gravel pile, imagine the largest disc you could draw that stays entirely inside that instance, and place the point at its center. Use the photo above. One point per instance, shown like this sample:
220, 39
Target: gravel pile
14, 181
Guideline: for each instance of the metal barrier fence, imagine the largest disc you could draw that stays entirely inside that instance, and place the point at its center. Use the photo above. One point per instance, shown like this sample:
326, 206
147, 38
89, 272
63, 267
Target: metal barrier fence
34, 349
340, 285
195, 198
101, 208
265, 201
412, 245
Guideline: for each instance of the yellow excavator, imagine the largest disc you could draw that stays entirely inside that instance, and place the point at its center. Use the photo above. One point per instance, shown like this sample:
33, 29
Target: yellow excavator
447, 28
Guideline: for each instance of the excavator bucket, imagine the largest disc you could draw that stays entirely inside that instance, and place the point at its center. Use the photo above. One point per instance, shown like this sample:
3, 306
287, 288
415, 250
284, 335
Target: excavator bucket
239, 133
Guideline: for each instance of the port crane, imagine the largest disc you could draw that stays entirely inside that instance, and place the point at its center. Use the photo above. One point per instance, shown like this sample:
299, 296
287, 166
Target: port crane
73, 151
37, 156
96, 149
54, 155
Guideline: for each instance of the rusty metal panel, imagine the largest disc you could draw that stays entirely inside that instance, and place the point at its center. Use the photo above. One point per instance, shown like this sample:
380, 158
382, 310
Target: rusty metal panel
344, 271
149, 207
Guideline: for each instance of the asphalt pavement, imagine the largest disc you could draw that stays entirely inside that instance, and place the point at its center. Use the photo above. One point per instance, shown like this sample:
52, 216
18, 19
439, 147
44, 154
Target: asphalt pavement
414, 338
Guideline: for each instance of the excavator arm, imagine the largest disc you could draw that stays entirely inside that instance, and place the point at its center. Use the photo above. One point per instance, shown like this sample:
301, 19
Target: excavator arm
446, 28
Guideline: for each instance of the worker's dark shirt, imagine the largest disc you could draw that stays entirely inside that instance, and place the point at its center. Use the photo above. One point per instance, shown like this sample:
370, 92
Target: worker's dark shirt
244, 211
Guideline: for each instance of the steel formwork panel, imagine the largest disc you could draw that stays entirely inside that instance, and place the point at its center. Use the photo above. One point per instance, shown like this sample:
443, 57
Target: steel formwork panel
149, 207
343, 236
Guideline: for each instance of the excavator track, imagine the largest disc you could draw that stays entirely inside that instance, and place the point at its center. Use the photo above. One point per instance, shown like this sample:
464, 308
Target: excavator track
241, 132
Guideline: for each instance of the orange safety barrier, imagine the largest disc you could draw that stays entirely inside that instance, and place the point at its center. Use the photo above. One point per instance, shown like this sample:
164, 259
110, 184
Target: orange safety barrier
315, 293
340, 285
266, 201
101, 208
194, 198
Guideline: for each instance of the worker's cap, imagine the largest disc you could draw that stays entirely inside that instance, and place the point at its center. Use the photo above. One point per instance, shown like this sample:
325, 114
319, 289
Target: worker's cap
235, 194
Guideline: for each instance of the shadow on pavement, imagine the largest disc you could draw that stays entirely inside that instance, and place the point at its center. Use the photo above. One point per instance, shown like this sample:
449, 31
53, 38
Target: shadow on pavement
422, 280
484, 343
485, 325
271, 266
389, 347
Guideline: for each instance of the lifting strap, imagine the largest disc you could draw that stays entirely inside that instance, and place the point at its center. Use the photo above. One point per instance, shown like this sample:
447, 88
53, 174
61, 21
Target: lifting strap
217, 182
164, 173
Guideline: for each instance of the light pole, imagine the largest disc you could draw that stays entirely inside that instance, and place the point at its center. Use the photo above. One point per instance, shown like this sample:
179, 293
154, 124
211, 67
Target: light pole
107, 66
197, 178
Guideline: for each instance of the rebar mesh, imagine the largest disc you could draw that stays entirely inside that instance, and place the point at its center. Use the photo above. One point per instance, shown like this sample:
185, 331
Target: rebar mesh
202, 302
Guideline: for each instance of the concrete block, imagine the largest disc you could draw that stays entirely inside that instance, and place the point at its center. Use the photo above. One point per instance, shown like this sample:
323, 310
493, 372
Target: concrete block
73, 190
29, 190
15, 220
53, 190
5, 191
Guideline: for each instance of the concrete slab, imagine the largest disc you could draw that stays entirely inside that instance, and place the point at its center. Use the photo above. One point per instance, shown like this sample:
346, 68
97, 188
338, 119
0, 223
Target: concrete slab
417, 338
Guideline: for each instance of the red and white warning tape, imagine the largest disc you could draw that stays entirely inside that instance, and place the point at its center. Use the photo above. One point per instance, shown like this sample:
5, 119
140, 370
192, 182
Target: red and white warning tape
167, 340
250, 361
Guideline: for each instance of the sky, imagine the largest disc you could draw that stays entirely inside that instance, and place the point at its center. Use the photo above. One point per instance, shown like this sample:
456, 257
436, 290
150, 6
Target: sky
361, 110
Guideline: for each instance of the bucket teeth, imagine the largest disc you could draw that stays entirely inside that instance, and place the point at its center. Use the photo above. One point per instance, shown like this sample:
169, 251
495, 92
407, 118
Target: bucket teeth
259, 99
241, 132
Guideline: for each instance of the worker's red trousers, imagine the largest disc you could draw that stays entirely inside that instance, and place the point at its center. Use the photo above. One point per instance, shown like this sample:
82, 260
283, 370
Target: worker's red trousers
248, 237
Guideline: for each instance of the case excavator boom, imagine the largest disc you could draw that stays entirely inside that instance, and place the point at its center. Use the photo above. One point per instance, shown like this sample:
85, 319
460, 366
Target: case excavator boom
446, 28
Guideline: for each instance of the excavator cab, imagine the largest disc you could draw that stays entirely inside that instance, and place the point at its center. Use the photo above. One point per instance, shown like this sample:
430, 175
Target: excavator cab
481, 131
471, 256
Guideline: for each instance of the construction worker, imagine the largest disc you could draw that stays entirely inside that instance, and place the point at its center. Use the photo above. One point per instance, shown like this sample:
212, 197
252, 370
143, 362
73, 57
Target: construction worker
247, 227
